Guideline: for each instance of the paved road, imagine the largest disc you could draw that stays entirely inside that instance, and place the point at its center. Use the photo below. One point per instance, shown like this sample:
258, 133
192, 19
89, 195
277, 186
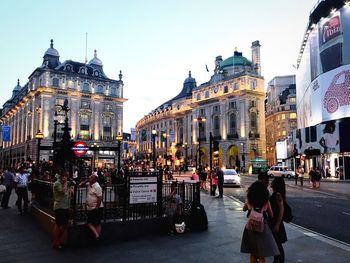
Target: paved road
326, 211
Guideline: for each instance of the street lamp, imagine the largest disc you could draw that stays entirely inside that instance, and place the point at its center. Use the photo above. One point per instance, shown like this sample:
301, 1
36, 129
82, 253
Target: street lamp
119, 139
165, 135
200, 121
186, 156
39, 136
154, 134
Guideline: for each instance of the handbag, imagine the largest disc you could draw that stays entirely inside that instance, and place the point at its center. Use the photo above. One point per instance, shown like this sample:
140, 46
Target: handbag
255, 221
287, 215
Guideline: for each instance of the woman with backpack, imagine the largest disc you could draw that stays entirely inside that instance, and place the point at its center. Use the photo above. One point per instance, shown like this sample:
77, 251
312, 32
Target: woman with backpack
277, 200
257, 239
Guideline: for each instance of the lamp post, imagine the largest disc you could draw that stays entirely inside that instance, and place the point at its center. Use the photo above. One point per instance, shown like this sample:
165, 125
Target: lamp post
154, 134
119, 139
200, 121
186, 156
39, 136
165, 137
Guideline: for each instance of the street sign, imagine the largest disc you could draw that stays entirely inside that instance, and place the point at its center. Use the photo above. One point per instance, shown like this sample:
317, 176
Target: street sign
80, 148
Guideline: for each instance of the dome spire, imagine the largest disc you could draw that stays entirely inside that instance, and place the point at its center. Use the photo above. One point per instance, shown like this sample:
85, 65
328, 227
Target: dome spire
189, 74
95, 53
17, 82
120, 75
51, 45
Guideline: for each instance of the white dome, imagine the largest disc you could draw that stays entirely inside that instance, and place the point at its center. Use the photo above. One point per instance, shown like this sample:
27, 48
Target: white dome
51, 51
95, 61
18, 87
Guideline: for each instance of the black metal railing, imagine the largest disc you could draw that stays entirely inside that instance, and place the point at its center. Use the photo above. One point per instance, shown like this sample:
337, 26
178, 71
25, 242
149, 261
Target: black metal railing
116, 203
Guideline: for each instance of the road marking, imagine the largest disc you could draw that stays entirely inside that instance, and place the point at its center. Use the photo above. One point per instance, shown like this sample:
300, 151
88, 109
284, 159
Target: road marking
345, 213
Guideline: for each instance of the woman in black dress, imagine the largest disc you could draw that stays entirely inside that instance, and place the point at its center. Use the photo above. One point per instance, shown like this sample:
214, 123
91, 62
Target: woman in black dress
277, 200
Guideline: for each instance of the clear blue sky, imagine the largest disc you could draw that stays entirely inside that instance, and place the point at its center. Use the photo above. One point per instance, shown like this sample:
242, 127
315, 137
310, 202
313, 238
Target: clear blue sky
154, 42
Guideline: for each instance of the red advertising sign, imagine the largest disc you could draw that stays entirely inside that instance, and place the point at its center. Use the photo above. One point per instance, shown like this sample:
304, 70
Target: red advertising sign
331, 29
80, 148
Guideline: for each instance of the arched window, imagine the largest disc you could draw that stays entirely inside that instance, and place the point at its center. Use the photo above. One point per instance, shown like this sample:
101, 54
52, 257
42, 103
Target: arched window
216, 126
232, 124
86, 87
55, 82
100, 89
225, 89
198, 96
253, 122
113, 91
207, 94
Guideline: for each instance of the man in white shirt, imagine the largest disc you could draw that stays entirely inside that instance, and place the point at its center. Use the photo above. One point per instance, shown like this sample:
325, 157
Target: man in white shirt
21, 186
94, 205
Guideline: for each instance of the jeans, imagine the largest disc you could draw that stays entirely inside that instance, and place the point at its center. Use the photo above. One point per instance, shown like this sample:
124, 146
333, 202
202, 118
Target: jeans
22, 193
6, 197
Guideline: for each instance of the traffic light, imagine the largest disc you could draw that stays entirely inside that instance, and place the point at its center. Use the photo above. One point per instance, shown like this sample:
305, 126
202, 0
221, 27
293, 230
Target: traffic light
215, 146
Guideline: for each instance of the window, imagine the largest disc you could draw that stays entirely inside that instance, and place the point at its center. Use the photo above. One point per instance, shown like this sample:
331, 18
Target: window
216, 109
181, 135
236, 86
216, 126
207, 94
252, 103
113, 91
108, 107
198, 96
84, 127
86, 87
202, 113
85, 104
233, 105
232, 124
293, 107
292, 115
225, 89
100, 89
253, 122
283, 116
55, 82
284, 133
292, 100
253, 84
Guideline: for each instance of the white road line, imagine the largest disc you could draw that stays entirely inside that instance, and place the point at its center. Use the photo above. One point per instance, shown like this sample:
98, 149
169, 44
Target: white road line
345, 213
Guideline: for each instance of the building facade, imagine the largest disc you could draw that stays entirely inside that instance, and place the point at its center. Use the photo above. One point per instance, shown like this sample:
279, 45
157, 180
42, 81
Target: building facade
323, 97
95, 115
280, 118
230, 107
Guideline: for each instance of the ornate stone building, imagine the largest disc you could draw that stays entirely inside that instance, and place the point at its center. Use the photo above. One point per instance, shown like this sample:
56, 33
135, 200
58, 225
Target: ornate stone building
230, 106
95, 102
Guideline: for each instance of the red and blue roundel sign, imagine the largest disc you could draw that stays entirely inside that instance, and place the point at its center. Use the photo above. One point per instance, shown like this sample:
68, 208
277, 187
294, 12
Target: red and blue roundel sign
80, 148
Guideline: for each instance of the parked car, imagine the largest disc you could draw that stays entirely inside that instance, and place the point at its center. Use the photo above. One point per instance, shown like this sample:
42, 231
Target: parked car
231, 178
280, 171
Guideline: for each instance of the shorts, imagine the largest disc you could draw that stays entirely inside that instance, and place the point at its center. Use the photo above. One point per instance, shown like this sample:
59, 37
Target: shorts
62, 217
94, 216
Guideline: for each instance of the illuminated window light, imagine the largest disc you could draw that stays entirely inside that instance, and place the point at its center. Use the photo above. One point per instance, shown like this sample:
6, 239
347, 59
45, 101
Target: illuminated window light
347, 4
333, 11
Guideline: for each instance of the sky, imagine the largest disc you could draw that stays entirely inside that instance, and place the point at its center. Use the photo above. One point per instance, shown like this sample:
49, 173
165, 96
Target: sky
154, 42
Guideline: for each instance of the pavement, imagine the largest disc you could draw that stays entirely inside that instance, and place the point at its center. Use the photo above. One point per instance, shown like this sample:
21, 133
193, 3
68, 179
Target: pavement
23, 240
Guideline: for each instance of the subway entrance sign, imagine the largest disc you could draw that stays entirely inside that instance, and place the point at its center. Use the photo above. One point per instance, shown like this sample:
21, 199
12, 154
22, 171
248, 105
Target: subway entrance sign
80, 148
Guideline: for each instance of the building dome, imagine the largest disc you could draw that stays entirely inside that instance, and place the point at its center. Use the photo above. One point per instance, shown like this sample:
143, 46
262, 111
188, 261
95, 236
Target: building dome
236, 60
51, 51
189, 79
17, 87
95, 61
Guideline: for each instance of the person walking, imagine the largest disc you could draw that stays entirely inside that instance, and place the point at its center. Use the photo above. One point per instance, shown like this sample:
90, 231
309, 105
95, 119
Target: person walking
8, 183
318, 177
220, 176
258, 244
296, 177
93, 205
312, 177
277, 200
21, 186
214, 182
61, 196
301, 175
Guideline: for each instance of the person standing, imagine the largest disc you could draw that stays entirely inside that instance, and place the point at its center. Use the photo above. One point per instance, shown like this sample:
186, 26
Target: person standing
214, 182
173, 208
277, 200
8, 183
296, 177
61, 196
258, 244
93, 205
301, 175
317, 177
312, 177
21, 186
220, 176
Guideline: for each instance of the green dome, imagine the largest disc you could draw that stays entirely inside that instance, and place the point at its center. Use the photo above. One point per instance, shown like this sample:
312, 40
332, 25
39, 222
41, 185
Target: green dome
236, 60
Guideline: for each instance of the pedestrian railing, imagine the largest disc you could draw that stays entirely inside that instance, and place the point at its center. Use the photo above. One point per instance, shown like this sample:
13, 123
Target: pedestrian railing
116, 200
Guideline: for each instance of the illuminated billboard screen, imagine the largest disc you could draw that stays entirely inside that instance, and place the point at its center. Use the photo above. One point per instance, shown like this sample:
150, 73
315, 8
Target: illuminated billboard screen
323, 78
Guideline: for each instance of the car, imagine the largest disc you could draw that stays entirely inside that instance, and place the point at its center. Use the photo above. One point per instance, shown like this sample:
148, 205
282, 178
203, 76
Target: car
231, 178
280, 171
